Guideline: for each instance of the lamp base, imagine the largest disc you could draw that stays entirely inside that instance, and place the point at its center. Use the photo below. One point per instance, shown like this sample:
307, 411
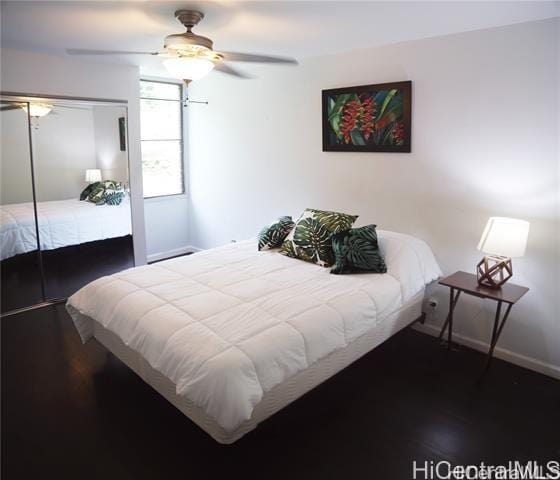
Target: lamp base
493, 271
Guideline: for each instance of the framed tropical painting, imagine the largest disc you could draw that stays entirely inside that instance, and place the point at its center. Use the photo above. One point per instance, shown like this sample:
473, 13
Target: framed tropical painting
367, 118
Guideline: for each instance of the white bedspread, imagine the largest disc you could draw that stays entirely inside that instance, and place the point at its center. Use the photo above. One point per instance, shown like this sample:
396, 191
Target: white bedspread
61, 223
228, 324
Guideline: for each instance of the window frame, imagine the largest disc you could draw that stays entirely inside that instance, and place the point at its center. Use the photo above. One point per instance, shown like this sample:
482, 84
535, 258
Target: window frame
181, 140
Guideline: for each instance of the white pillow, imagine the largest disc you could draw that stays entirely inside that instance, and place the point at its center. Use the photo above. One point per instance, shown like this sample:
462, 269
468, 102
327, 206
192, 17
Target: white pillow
410, 260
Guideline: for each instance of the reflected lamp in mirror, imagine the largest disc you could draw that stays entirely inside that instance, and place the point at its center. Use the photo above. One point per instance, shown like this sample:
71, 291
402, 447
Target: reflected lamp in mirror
37, 110
93, 175
502, 239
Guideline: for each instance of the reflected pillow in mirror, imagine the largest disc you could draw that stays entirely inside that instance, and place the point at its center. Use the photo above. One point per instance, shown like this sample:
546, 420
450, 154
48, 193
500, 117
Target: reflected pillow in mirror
86, 191
108, 192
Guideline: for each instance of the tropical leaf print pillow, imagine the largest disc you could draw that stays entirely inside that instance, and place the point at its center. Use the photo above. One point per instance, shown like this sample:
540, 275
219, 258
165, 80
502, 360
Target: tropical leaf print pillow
108, 192
357, 250
310, 239
273, 235
85, 193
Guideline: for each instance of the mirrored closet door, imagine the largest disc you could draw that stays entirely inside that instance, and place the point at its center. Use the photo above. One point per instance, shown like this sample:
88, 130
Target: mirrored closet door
66, 216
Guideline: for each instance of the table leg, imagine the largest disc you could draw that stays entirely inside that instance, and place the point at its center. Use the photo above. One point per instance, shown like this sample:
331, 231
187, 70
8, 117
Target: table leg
497, 330
450, 328
453, 298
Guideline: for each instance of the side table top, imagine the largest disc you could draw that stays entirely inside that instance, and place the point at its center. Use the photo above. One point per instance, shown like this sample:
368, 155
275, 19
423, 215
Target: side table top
467, 282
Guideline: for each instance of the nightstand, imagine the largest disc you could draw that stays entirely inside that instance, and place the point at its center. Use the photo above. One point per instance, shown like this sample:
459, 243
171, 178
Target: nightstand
463, 282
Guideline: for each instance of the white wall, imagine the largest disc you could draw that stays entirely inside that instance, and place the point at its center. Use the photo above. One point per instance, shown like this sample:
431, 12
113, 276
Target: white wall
167, 226
66, 142
64, 148
26, 72
484, 142
15, 163
109, 157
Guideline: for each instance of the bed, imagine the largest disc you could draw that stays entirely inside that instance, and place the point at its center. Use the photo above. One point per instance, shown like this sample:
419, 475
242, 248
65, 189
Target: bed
61, 223
231, 335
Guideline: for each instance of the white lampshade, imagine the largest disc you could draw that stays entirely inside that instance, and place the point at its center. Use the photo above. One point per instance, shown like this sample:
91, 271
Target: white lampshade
38, 109
503, 236
93, 175
188, 68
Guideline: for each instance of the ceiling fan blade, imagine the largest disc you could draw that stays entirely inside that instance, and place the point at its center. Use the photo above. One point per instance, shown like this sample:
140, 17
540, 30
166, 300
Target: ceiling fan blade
250, 57
9, 107
222, 67
79, 51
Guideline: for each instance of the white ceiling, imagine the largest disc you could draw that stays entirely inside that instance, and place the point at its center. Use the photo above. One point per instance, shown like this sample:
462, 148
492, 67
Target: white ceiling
298, 28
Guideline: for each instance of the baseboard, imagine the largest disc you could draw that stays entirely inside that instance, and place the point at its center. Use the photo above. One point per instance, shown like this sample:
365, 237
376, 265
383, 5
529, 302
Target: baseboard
154, 257
502, 353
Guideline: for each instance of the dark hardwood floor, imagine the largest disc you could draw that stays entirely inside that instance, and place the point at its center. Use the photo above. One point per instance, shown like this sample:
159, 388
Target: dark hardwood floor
66, 270
75, 411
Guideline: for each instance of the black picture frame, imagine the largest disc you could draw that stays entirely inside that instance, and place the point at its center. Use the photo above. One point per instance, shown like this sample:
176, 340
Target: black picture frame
335, 143
122, 133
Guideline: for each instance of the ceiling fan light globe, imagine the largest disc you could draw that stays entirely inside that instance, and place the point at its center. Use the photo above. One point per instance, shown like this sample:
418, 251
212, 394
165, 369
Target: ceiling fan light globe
188, 68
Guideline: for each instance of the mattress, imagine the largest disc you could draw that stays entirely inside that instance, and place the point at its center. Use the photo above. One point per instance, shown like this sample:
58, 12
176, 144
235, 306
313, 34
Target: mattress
228, 325
61, 223
278, 397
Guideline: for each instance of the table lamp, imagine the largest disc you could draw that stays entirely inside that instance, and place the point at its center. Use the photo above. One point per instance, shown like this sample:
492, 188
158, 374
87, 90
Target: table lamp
502, 239
93, 175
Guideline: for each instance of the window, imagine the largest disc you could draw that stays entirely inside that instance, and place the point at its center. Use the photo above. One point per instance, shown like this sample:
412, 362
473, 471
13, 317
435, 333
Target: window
161, 135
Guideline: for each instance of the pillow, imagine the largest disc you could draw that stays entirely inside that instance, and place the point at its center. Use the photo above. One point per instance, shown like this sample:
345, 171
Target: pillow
310, 239
357, 250
274, 234
88, 190
108, 192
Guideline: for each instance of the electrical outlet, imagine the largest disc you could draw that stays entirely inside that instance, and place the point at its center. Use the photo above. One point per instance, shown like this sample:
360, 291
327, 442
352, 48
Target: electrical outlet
433, 303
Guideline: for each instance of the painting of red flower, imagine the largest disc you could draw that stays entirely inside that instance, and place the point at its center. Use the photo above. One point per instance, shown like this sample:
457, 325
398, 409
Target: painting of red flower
368, 118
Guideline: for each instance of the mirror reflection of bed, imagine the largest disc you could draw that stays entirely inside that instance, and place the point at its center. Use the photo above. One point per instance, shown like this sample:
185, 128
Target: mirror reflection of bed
80, 172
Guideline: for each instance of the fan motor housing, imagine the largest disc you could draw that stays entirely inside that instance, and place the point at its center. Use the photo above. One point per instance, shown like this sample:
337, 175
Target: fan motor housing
187, 40
189, 18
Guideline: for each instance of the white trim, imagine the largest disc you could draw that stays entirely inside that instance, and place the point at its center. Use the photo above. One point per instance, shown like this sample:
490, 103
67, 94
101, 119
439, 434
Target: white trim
499, 352
172, 253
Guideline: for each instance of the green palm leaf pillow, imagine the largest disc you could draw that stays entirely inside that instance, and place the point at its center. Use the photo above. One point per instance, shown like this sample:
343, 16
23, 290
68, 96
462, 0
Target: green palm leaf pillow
356, 251
273, 235
310, 239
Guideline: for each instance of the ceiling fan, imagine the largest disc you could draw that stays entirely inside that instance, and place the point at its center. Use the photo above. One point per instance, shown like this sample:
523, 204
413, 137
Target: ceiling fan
189, 56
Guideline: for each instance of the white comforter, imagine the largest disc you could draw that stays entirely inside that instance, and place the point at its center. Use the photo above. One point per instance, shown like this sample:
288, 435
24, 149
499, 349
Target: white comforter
61, 223
228, 324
